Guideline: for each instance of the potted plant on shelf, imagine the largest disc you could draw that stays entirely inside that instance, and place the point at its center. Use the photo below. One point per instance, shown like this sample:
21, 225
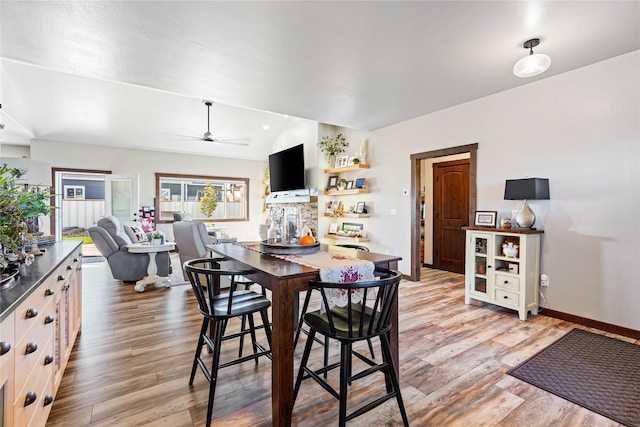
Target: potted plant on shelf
333, 147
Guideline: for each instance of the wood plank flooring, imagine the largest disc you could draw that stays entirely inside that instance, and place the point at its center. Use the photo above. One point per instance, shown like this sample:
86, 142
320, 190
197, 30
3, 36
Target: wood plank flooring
130, 366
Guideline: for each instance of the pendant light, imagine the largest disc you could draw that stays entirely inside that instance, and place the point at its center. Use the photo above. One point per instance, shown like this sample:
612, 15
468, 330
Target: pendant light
533, 64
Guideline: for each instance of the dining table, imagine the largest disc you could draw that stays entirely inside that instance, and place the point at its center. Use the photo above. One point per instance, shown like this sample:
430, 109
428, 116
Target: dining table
285, 278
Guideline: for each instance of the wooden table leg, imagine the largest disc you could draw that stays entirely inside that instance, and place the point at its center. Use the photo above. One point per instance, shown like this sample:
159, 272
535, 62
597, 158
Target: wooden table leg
282, 349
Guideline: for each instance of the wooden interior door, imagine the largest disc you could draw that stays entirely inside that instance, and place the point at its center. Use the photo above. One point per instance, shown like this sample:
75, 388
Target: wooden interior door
451, 212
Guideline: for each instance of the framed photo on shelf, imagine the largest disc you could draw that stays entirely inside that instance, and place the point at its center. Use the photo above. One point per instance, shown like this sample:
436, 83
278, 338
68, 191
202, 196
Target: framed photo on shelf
328, 206
360, 183
485, 218
342, 161
349, 185
352, 226
333, 182
333, 228
360, 208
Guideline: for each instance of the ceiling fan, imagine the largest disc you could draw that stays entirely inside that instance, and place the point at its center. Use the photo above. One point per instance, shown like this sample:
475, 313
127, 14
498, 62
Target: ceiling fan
208, 136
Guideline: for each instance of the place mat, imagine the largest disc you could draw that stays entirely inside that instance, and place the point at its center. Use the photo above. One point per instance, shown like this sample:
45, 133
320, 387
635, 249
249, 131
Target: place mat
340, 269
594, 371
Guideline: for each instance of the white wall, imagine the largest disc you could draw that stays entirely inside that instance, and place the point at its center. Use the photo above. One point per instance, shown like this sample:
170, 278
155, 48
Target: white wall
581, 130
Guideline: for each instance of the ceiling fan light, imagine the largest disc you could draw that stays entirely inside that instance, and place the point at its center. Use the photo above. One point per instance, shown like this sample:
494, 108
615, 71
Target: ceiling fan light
532, 65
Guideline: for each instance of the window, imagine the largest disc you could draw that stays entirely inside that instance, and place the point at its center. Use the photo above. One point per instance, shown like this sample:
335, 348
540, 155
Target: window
74, 191
183, 193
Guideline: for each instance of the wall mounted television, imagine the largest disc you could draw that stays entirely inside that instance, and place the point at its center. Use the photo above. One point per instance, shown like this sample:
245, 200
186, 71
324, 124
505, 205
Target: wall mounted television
286, 170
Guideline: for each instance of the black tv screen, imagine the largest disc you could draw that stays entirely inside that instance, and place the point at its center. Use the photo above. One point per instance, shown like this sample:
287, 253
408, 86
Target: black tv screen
286, 169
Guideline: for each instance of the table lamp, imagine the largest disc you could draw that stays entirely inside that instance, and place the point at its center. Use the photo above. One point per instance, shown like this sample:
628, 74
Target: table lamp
526, 189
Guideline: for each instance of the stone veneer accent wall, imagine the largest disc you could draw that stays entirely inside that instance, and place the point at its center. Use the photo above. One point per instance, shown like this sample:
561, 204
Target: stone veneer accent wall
308, 212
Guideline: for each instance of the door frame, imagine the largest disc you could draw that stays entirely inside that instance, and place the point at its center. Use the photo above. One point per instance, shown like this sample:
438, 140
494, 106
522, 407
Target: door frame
415, 195
58, 192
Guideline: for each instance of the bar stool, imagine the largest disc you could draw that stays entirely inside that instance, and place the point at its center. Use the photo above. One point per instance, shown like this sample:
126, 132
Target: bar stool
367, 314
204, 275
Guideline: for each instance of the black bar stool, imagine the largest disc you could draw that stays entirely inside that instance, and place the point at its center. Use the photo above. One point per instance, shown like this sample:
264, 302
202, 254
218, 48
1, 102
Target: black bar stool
204, 275
367, 314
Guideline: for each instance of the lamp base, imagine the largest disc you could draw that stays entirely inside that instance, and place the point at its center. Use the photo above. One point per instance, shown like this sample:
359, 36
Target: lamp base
525, 218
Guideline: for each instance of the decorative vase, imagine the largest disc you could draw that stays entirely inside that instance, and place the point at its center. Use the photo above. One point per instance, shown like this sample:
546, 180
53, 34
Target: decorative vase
331, 161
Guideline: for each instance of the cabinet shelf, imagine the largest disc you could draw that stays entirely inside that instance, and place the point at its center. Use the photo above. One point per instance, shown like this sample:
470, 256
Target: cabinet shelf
346, 192
351, 239
351, 168
504, 258
350, 215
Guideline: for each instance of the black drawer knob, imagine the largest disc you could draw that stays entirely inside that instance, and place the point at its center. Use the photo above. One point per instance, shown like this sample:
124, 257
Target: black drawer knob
30, 348
69, 267
30, 397
4, 347
61, 278
48, 398
505, 297
76, 259
48, 319
48, 292
31, 313
48, 359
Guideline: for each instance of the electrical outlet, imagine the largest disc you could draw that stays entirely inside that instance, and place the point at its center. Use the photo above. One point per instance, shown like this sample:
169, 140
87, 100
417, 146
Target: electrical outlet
544, 280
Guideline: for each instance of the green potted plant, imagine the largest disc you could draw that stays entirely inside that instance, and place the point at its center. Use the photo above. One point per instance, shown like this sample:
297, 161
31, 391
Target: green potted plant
17, 208
157, 237
209, 201
333, 147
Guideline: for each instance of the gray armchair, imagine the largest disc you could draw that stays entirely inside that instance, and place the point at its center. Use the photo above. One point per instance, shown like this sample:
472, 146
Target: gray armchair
128, 267
191, 238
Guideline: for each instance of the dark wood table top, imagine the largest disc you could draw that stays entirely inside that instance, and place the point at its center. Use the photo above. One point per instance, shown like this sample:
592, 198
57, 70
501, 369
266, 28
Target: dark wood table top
249, 253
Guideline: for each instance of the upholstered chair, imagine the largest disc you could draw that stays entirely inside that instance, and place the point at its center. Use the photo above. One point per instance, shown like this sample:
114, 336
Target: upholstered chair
111, 241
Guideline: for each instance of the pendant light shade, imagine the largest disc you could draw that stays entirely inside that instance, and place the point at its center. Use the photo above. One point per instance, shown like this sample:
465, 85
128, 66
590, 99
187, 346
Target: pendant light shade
533, 64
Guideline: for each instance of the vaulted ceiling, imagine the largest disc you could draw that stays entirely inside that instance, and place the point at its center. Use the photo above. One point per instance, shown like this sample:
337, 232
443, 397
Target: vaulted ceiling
135, 73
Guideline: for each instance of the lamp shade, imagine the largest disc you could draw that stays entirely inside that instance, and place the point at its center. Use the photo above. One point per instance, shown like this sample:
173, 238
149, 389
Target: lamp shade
527, 189
37, 172
532, 65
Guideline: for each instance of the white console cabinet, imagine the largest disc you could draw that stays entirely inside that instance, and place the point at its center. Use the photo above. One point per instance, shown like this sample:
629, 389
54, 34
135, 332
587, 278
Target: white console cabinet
493, 277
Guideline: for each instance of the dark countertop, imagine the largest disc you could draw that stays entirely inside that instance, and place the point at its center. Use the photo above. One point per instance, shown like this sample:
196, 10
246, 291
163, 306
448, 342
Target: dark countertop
34, 275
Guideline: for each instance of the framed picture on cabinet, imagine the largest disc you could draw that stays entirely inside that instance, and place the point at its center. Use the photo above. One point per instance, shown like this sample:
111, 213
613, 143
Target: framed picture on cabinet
342, 161
360, 208
332, 184
333, 228
360, 183
349, 185
486, 218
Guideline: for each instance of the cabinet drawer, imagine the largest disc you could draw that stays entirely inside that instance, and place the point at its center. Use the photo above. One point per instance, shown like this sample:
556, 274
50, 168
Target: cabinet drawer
36, 413
7, 338
506, 297
507, 282
34, 363
31, 311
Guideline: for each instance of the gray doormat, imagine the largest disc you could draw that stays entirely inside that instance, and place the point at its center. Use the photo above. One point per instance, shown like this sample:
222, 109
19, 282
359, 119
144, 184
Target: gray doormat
597, 372
89, 259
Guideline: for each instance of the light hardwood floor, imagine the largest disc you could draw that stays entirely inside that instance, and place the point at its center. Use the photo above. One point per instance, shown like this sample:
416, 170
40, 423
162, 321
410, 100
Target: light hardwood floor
130, 366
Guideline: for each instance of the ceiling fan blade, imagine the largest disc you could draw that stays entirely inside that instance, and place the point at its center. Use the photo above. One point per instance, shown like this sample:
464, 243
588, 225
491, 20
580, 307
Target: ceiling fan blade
234, 141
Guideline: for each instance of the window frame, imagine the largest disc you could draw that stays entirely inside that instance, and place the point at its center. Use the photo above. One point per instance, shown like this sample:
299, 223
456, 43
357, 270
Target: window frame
226, 181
